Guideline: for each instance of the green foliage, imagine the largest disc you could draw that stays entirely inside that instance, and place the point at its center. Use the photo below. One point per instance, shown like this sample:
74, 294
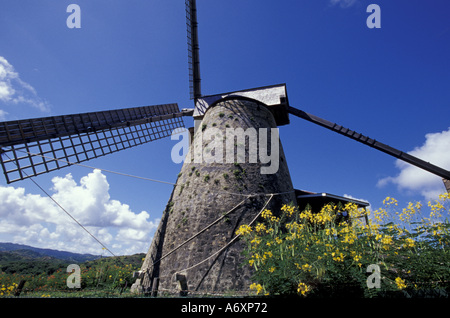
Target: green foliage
26, 261
106, 274
327, 254
239, 173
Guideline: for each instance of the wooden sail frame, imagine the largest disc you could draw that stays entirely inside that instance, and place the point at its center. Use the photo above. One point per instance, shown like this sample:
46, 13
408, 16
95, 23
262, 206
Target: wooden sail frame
31, 147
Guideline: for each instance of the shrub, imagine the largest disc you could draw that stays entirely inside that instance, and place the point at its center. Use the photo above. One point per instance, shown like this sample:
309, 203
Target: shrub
328, 254
100, 275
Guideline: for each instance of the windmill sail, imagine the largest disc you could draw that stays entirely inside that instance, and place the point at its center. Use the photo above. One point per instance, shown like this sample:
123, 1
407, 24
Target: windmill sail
445, 174
193, 49
31, 147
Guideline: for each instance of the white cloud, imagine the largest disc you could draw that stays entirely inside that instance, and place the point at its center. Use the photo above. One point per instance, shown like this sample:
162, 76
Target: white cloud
35, 220
343, 3
353, 198
3, 114
435, 150
15, 91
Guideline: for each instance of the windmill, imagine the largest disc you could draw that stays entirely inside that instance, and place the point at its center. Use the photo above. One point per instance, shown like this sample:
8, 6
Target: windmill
195, 247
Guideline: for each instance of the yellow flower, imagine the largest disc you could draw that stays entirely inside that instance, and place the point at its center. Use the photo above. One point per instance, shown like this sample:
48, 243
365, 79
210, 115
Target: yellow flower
302, 288
244, 230
386, 240
267, 255
257, 287
436, 209
389, 201
380, 214
338, 258
266, 214
260, 227
288, 209
400, 283
271, 270
306, 215
256, 241
409, 242
349, 238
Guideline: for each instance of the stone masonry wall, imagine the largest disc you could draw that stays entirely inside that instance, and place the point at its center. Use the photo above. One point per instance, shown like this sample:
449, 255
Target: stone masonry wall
203, 194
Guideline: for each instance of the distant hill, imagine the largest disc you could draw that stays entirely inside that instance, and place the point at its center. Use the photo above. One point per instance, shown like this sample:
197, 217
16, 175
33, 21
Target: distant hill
24, 259
42, 252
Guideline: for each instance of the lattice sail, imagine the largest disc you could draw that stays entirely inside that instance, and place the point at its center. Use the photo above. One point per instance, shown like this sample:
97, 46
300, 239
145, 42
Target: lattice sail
193, 49
31, 147
445, 174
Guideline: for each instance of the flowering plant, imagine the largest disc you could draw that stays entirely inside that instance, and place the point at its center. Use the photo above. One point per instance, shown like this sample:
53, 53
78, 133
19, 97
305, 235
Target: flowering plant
326, 254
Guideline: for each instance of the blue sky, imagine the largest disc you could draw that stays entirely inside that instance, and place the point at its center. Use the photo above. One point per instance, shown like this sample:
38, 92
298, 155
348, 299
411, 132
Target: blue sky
391, 84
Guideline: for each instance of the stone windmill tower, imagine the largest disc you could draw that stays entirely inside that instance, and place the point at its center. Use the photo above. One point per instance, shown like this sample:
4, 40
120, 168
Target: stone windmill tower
195, 246
235, 168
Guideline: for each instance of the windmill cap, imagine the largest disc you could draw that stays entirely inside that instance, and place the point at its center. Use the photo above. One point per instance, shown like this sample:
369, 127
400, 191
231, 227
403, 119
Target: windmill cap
274, 97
